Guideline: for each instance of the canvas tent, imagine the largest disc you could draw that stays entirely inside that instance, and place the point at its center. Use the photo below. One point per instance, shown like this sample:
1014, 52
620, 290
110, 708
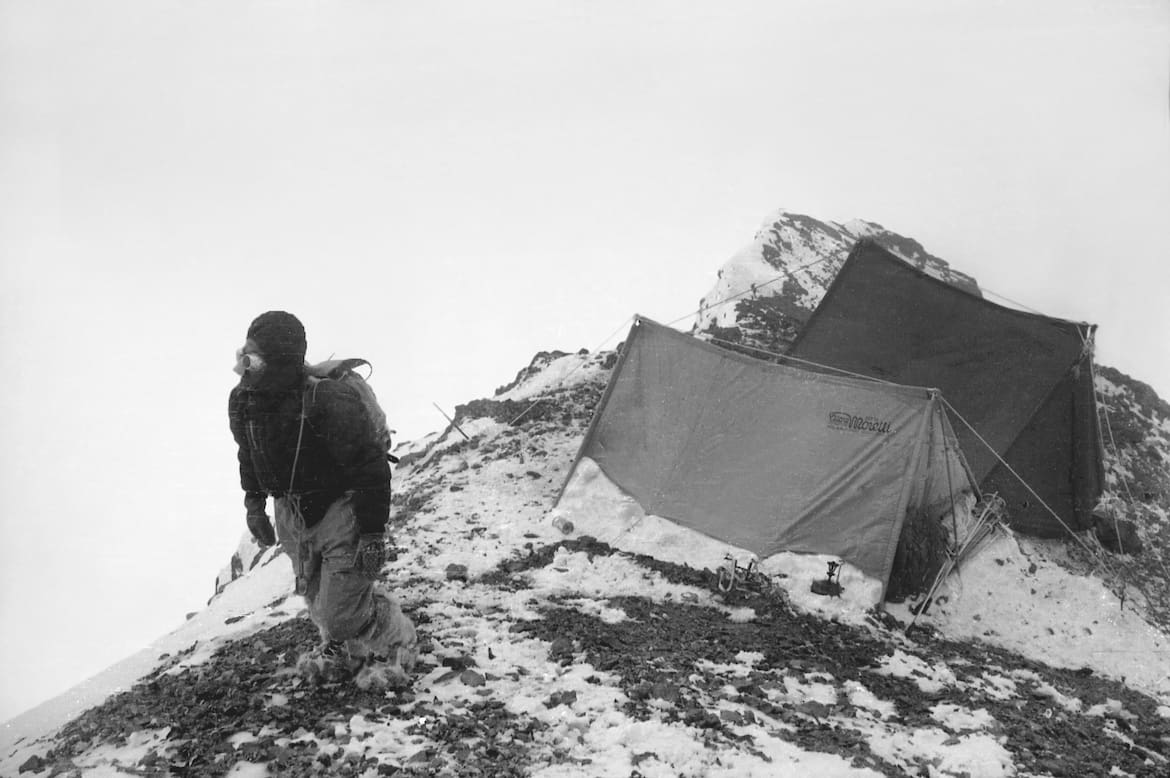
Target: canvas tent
768, 457
1024, 382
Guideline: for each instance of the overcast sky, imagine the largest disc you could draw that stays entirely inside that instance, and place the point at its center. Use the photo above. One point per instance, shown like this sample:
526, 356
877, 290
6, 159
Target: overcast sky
446, 188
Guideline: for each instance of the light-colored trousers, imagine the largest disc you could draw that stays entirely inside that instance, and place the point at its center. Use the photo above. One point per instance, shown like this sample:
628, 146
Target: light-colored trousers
340, 599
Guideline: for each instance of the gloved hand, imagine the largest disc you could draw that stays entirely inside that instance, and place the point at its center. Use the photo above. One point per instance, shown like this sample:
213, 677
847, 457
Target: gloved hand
261, 528
371, 554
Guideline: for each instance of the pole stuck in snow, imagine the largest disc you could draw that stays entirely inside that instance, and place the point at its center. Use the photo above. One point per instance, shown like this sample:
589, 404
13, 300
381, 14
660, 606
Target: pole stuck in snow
448, 418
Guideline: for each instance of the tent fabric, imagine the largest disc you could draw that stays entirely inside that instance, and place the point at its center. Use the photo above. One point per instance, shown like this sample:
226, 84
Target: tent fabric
1022, 381
768, 457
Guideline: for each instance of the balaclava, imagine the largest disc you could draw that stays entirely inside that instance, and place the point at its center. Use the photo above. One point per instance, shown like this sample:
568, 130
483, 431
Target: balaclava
281, 340
280, 336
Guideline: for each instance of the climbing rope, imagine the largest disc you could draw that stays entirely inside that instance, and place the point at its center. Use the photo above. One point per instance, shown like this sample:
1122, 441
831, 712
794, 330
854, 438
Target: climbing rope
752, 290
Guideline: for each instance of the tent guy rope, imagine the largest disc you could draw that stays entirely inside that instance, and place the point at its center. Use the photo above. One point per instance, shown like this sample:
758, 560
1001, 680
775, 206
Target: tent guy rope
752, 289
1092, 552
1104, 411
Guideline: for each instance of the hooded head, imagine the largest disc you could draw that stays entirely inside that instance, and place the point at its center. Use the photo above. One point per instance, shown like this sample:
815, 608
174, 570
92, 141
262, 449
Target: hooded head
279, 336
280, 339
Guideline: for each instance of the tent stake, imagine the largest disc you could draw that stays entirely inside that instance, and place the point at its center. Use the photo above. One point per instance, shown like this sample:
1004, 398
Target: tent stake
448, 418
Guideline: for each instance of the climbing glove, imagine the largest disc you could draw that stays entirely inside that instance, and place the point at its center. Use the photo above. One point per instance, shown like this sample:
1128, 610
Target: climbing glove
261, 528
371, 554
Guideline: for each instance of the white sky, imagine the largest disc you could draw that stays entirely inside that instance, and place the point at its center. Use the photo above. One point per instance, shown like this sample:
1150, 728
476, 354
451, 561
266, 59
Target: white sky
447, 188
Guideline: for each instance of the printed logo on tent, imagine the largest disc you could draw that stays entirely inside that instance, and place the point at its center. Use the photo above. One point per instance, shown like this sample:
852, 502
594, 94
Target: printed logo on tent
841, 420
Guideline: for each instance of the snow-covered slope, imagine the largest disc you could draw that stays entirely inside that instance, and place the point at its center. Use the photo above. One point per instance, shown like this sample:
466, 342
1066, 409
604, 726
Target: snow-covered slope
1136, 427
548, 654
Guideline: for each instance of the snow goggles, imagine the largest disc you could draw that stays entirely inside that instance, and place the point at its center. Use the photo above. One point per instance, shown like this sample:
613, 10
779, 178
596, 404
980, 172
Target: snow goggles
248, 362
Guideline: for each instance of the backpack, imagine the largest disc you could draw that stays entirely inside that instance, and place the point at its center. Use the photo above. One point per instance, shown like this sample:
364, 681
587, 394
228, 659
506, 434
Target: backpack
344, 370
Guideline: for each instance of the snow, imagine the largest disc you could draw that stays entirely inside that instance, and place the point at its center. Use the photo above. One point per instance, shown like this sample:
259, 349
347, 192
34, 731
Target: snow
555, 375
959, 719
598, 507
1010, 594
748, 267
864, 698
930, 679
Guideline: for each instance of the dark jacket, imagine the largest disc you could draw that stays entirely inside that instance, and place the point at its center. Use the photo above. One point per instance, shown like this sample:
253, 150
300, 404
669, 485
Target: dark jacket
338, 450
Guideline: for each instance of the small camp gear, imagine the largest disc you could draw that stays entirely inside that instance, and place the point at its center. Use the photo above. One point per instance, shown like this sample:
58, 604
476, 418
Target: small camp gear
731, 576
990, 516
831, 585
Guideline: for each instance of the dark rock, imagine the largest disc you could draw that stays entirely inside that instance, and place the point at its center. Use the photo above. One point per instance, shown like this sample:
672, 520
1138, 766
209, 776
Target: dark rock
1117, 535
34, 764
560, 698
456, 572
459, 663
561, 648
665, 691
732, 717
471, 678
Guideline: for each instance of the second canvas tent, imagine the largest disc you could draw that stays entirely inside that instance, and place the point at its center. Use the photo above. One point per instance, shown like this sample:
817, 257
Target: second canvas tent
1020, 384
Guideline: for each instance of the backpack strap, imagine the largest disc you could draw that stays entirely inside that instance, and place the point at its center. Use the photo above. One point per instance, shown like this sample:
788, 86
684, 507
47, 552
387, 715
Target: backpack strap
292, 476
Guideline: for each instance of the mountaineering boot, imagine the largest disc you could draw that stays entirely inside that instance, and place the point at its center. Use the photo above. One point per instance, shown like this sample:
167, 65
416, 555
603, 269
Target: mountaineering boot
388, 645
391, 669
381, 672
327, 662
